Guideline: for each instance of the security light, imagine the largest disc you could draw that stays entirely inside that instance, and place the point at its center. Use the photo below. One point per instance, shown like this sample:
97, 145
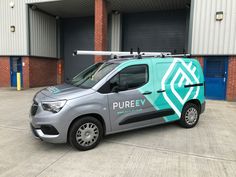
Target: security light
116, 12
12, 4
187, 5
33, 7
13, 28
219, 16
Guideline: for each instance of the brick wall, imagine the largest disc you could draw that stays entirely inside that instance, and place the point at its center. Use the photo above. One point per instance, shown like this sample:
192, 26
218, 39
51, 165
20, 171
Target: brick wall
60, 71
5, 78
25, 68
201, 61
36, 72
42, 72
231, 83
100, 38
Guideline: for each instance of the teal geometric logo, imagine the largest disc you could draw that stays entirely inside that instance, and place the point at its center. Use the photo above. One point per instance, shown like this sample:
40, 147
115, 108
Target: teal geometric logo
53, 90
175, 78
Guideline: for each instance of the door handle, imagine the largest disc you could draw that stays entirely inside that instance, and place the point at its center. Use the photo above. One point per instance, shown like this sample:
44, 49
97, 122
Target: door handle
160, 91
147, 93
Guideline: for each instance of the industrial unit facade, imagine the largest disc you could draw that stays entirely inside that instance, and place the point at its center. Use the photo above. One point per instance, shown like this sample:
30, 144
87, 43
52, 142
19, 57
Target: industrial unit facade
38, 37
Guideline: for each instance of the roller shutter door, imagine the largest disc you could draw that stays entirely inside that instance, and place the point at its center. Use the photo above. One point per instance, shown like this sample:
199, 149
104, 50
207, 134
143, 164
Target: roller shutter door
78, 34
155, 31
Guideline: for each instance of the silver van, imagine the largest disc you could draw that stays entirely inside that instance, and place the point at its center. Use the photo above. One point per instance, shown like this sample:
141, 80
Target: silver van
119, 95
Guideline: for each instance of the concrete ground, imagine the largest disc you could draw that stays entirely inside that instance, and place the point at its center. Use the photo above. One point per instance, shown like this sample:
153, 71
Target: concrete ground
209, 149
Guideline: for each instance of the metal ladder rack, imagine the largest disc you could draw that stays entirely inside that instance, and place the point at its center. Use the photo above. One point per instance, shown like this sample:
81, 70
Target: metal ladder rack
121, 55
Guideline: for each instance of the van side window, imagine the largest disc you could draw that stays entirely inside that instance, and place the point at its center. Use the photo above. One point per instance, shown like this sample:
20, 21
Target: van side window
129, 78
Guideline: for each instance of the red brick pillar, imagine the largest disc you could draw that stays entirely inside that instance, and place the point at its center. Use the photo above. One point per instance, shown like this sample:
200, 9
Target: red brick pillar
26, 72
201, 61
5, 75
60, 71
100, 38
231, 83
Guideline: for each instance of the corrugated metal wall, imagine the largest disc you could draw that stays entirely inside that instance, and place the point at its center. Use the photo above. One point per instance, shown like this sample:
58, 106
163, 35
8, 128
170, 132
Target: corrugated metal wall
116, 32
14, 43
211, 37
207, 37
43, 34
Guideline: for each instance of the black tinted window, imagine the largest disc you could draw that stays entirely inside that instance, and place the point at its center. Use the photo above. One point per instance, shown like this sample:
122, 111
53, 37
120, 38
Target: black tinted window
134, 76
131, 77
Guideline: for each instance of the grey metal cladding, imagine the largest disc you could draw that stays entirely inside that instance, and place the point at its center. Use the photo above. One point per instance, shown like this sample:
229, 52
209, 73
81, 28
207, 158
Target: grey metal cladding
78, 34
116, 32
155, 31
43, 34
209, 36
14, 43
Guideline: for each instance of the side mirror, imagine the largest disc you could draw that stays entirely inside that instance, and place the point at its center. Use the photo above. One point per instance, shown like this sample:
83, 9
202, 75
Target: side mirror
119, 88
123, 87
67, 80
115, 89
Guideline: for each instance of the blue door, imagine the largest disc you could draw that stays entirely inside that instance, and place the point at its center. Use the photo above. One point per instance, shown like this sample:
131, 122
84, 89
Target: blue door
16, 66
215, 70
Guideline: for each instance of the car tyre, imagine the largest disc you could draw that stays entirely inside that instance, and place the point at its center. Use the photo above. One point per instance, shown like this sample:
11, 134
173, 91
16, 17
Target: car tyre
85, 133
189, 116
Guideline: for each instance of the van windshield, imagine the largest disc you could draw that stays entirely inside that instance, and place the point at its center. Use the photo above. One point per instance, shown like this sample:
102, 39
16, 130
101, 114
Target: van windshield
93, 74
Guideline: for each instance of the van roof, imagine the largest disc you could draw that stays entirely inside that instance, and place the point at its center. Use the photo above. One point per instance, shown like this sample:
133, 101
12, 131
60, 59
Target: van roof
121, 60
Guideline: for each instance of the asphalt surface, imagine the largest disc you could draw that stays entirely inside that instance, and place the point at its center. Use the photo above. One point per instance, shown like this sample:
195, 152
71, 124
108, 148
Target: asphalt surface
209, 149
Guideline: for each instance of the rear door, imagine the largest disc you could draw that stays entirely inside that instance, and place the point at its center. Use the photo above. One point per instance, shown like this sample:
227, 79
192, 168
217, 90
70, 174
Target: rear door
177, 81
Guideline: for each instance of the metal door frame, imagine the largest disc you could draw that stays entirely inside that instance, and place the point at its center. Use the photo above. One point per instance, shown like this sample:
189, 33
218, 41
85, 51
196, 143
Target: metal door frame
226, 59
11, 67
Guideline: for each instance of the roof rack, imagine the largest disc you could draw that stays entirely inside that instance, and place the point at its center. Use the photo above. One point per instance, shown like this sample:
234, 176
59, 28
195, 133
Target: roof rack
119, 55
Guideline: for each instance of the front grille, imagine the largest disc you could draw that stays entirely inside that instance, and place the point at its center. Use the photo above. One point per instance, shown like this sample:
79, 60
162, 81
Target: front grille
34, 108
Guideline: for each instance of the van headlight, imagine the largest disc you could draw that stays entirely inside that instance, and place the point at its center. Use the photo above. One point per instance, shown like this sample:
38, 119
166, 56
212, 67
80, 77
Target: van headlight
53, 106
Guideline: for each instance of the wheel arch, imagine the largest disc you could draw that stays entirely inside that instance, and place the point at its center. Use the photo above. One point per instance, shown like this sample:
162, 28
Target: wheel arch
196, 102
95, 115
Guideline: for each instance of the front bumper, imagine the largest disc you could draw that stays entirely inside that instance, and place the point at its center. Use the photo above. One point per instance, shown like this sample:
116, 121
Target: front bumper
59, 122
38, 134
